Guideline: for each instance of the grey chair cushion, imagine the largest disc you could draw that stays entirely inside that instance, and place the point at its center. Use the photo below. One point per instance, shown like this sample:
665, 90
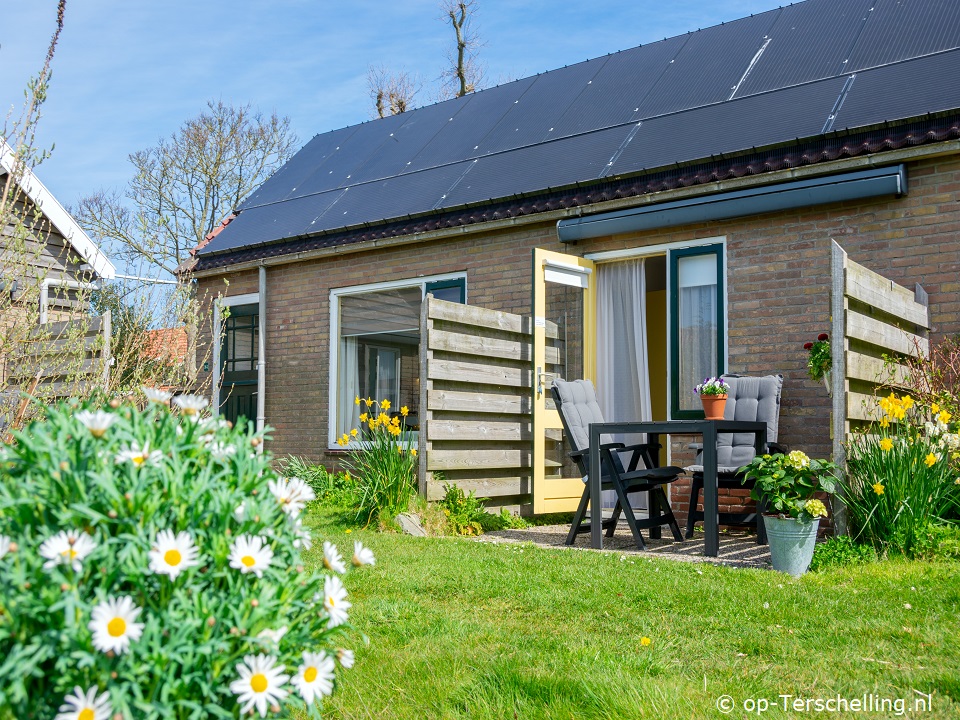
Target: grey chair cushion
580, 408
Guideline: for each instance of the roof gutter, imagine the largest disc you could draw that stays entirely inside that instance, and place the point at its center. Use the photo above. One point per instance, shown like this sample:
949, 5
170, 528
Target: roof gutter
874, 182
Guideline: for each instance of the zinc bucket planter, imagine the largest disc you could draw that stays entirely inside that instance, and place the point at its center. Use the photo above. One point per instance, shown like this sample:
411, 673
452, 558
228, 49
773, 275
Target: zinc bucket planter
791, 543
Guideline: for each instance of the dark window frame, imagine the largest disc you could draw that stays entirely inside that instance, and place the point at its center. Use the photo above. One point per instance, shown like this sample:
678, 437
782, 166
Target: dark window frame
460, 283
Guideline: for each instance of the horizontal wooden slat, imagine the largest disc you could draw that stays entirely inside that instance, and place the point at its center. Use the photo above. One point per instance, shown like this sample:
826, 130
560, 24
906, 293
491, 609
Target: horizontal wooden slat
55, 367
478, 373
873, 289
36, 348
875, 370
863, 407
63, 389
486, 346
477, 459
870, 330
480, 429
482, 317
478, 402
489, 488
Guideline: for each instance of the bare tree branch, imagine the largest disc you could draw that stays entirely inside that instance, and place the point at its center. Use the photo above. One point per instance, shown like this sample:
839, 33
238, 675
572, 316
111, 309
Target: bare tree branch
392, 93
464, 73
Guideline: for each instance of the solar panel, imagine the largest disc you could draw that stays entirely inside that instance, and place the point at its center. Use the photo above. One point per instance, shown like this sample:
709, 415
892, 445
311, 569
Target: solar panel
898, 29
729, 127
903, 90
708, 67
809, 41
479, 113
615, 93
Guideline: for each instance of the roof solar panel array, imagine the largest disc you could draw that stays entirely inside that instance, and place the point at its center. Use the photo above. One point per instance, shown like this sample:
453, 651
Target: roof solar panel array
761, 80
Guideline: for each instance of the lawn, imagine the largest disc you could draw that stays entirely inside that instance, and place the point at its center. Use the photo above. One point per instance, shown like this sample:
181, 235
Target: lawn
461, 629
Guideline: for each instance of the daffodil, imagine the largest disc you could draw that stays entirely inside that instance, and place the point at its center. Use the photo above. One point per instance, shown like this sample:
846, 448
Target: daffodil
292, 494
156, 395
171, 555
354, 433
404, 411
86, 706
944, 417
930, 459
934, 408
335, 601
250, 554
413, 452
96, 422
878, 488
363, 417
368, 401
113, 624
385, 405
886, 444
356, 400
67, 548
139, 456
331, 558
314, 677
362, 555
191, 405
260, 684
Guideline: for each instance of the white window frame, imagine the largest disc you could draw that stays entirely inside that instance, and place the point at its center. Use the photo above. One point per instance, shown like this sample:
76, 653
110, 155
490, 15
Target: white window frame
225, 302
334, 344
664, 249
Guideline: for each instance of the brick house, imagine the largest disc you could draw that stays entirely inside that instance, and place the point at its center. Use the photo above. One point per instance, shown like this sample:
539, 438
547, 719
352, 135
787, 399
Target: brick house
704, 176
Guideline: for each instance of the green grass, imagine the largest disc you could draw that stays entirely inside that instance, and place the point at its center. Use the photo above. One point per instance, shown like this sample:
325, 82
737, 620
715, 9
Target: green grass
460, 629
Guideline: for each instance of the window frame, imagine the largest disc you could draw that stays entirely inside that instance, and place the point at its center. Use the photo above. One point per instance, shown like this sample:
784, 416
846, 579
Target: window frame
717, 249
435, 281
221, 303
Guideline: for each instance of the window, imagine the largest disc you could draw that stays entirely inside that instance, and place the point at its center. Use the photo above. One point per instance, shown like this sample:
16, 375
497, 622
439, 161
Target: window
697, 312
238, 363
376, 332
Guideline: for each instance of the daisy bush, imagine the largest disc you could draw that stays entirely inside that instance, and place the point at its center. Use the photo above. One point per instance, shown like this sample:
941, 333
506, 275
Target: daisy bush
150, 568
902, 474
382, 459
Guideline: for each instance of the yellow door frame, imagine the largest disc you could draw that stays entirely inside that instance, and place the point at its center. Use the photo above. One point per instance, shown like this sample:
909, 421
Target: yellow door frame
557, 494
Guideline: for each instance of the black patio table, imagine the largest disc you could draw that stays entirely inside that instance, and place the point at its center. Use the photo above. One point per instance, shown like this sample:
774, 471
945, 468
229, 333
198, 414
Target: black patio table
654, 428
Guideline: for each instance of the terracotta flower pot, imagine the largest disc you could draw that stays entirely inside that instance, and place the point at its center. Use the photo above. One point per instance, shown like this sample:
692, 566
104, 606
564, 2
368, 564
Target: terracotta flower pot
713, 406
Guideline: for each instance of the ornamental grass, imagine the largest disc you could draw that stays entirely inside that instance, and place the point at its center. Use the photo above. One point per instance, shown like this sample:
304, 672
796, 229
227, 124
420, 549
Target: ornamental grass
150, 568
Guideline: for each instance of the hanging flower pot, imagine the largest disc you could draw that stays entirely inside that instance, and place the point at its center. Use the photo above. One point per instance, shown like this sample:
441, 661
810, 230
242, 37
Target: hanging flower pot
713, 406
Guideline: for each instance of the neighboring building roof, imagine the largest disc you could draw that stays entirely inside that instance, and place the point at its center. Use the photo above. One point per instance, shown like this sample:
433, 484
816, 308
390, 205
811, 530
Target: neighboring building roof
815, 71
57, 215
168, 345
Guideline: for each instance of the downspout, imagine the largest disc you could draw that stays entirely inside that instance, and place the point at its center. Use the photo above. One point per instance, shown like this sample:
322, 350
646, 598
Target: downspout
59, 282
262, 352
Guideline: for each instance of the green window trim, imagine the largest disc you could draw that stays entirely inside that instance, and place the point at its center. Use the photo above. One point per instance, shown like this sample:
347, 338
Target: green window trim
453, 283
675, 390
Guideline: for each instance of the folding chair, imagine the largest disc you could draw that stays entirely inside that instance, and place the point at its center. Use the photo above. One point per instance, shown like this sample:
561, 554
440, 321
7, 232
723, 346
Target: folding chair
578, 408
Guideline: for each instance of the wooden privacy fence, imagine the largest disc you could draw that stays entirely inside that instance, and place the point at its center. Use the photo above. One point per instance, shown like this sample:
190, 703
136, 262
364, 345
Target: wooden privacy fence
873, 319
475, 401
71, 357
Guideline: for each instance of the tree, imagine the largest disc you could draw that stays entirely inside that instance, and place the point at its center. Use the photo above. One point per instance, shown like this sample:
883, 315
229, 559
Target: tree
392, 93
464, 73
186, 184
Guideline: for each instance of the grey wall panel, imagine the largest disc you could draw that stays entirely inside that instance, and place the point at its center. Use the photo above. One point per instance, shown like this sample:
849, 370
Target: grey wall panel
741, 124
901, 29
708, 67
809, 41
904, 90
479, 114
615, 94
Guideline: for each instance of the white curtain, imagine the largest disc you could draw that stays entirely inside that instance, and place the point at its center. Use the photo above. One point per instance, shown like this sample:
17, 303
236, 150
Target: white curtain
348, 414
623, 384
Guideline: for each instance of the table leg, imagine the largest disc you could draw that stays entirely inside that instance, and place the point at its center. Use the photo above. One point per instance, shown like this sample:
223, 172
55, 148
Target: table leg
593, 479
711, 518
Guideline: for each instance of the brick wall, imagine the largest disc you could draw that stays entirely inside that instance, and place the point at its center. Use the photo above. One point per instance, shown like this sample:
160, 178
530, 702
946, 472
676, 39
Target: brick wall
778, 286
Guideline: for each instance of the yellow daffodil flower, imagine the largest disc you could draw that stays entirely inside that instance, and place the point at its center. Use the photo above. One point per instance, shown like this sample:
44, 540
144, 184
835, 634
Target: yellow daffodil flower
363, 417
886, 444
353, 433
404, 410
934, 408
944, 417
930, 460
413, 453
356, 400
385, 405
368, 401
878, 488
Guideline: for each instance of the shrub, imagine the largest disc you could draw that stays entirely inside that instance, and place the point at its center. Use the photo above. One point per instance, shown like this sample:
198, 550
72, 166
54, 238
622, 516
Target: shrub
331, 488
900, 480
150, 568
464, 512
937, 542
382, 459
841, 551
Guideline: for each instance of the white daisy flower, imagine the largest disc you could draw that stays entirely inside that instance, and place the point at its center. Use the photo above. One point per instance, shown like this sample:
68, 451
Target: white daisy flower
303, 538
96, 422
362, 555
5, 543
191, 405
89, 706
113, 625
314, 677
221, 451
68, 547
250, 554
345, 657
139, 456
334, 600
156, 395
292, 494
240, 512
171, 555
331, 558
273, 637
260, 683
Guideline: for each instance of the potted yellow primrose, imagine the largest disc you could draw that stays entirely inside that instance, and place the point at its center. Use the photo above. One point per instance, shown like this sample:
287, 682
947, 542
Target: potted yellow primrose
788, 484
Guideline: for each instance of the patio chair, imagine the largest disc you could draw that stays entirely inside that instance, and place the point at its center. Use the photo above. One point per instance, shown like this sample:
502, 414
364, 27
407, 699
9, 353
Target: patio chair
578, 408
750, 398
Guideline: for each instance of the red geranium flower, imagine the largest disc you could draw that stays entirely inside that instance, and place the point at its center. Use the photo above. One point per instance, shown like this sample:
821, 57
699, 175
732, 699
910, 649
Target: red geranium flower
822, 336
807, 346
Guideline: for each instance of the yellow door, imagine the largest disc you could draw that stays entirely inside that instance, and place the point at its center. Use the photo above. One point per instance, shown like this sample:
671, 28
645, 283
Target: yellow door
564, 340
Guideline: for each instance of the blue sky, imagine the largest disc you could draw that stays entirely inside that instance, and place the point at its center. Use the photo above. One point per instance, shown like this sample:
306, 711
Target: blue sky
127, 73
